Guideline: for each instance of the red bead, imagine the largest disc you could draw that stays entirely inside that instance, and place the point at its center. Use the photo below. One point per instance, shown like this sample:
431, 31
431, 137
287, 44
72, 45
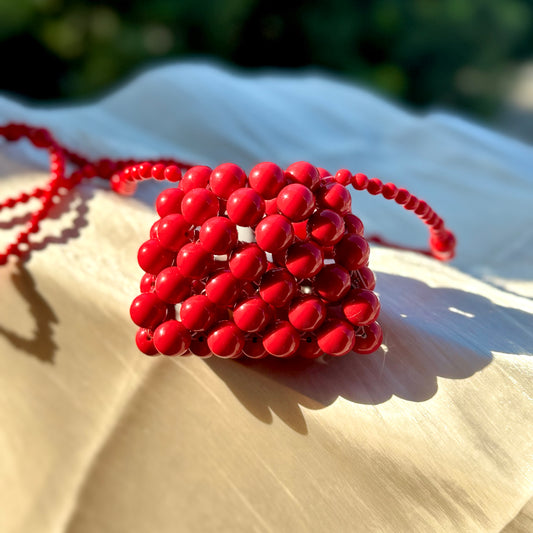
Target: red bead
158, 171
333, 282
173, 231
402, 196
222, 289
274, 233
296, 202
304, 173
323, 173
277, 287
253, 347
198, 205
370, 340
307, 313
309, 348
304, 259
352, 251
252, 315
172, 338
354, 224
247, 290
343, 176
218, 235
147, 310
153, 229
199, 345
171, 286
326, 227
197, 313
195, 178
336, 337
267, 179
374, 186
153, 258
145, 170
226, 340
334, 196
389, 191
145, 342
148, 282
282, 339
245, 207
364, 278
225, 179
169, 201
442, 245
412, 203
359, 182
193, 261
361, 307
248, 262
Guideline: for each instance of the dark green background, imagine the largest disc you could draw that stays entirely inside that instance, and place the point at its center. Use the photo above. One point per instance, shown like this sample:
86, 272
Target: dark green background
459, 54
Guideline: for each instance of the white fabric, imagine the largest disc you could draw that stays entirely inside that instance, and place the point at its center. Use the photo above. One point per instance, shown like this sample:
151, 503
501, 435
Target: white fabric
454, 334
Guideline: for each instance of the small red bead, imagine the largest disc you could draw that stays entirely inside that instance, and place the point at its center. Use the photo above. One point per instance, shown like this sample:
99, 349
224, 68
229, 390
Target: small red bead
326, 227
199, 345
352, 251
226, 340
218, 235
145, 170
364, 278
193, 261
282, 339
422, 209
442, 245
296, 202
171, 286
197, 313
375, 186
336, 337
304, 173
333, 282
309, 348
148, 282
198, 205
389, 191
153, 258
253, 347
153, 229
225, 179
359, 182
361, 307
402, 196
304, 259
354, 224
173, 232
245, 207
267, 179
274, 233
172, 338
277, 287
334, 196
223, 288
147, 310
195, 178
169, 202
252, 315
343, 176
158, 171
370, 340
412, 204
145, 342
248, 262
307, 313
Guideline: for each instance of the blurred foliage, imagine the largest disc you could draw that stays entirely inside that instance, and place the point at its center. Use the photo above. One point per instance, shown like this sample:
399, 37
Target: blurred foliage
457, 53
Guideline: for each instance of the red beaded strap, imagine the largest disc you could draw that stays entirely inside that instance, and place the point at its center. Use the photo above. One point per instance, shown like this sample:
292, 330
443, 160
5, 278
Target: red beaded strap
123, 175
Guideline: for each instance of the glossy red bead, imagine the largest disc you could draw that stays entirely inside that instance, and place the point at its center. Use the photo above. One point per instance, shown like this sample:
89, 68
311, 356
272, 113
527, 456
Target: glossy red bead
197, 313
226, 340
334, 196
147, 282
274, 233
296, 202
195, 178
171, 173
172, 338
169, 202
193, 261
158, 171
336, 337
267, 179
359, 182
375, 186
389, 191
199, 346
248, 262
333, 282
326, 227
364, 278
304, 259
353, 224
223, 288
147, 310
304, 173
198, 205
218, 235
252, 315
225, 179
173, 231
245, 207
253, 347
361, 307
277, 287
343, 176
145, 342
370, 339
153, 258
442, 244
307, 313
171, 286
282, 339
309, 348
352, 251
